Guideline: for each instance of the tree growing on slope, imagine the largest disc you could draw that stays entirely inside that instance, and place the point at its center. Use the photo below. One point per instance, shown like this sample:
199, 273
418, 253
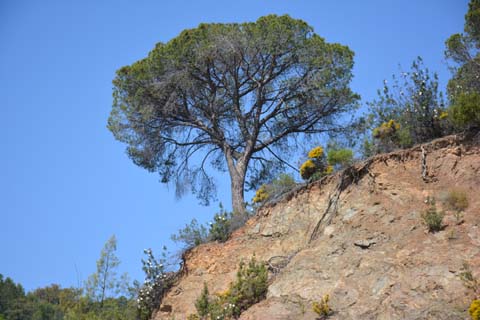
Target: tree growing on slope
233, 97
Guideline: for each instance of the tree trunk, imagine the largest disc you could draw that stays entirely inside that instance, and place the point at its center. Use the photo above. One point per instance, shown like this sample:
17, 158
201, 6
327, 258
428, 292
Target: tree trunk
237, 187
237, 172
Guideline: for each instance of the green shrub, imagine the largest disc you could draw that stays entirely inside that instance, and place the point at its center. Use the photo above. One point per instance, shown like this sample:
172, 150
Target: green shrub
192, 235
220, 227
250, 287
202, 304
322, 308
466, 110
432, 218
283, 183
340, 157
223, 224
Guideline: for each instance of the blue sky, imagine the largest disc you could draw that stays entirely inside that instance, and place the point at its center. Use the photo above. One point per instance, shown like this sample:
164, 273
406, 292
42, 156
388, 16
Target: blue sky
66, 185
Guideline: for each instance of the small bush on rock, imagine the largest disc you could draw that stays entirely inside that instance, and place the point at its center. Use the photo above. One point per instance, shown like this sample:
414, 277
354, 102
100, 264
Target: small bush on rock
220, 227
315, 167
469, 280
319, 166
432, 218
474, 310
307, 169
223, 224
322, 308
279, 186
202, 304
250, 287
261, 195
456, 200
316, 153
192, 235
157, 282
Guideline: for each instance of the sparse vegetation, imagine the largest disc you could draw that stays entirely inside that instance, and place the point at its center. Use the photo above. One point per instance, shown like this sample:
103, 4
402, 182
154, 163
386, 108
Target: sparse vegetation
192, 235
469, 280
408, 111
220, 227
322, 308
193, 317
456, 200
223, 224
250, 287
279, 186
472, 283
432, 218
157, 282
452, 235
202, 304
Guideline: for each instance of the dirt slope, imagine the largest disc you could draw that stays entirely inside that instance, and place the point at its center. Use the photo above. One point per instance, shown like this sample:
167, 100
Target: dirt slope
358, 237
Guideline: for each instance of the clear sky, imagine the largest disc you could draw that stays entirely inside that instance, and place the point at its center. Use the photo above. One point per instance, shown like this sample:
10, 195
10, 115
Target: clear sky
66, 185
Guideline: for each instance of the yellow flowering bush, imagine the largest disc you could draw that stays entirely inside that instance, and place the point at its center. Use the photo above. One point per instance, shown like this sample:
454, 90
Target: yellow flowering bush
307, 169
329, 169
474, 310
261, 195
274, 189
318, 166
386, 129
316, 153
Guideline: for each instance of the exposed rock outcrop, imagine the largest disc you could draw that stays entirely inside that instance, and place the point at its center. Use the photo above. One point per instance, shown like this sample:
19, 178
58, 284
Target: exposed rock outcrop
357, 236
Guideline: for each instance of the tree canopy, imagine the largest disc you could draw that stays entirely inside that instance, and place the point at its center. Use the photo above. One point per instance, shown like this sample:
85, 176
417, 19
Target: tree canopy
233, 97
463, 50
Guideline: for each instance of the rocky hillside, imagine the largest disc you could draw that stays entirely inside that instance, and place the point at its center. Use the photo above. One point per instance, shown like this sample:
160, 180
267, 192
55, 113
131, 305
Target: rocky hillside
357, 236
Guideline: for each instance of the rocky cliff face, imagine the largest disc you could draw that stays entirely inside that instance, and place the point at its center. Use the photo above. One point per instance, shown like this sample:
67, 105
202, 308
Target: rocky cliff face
357, 236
